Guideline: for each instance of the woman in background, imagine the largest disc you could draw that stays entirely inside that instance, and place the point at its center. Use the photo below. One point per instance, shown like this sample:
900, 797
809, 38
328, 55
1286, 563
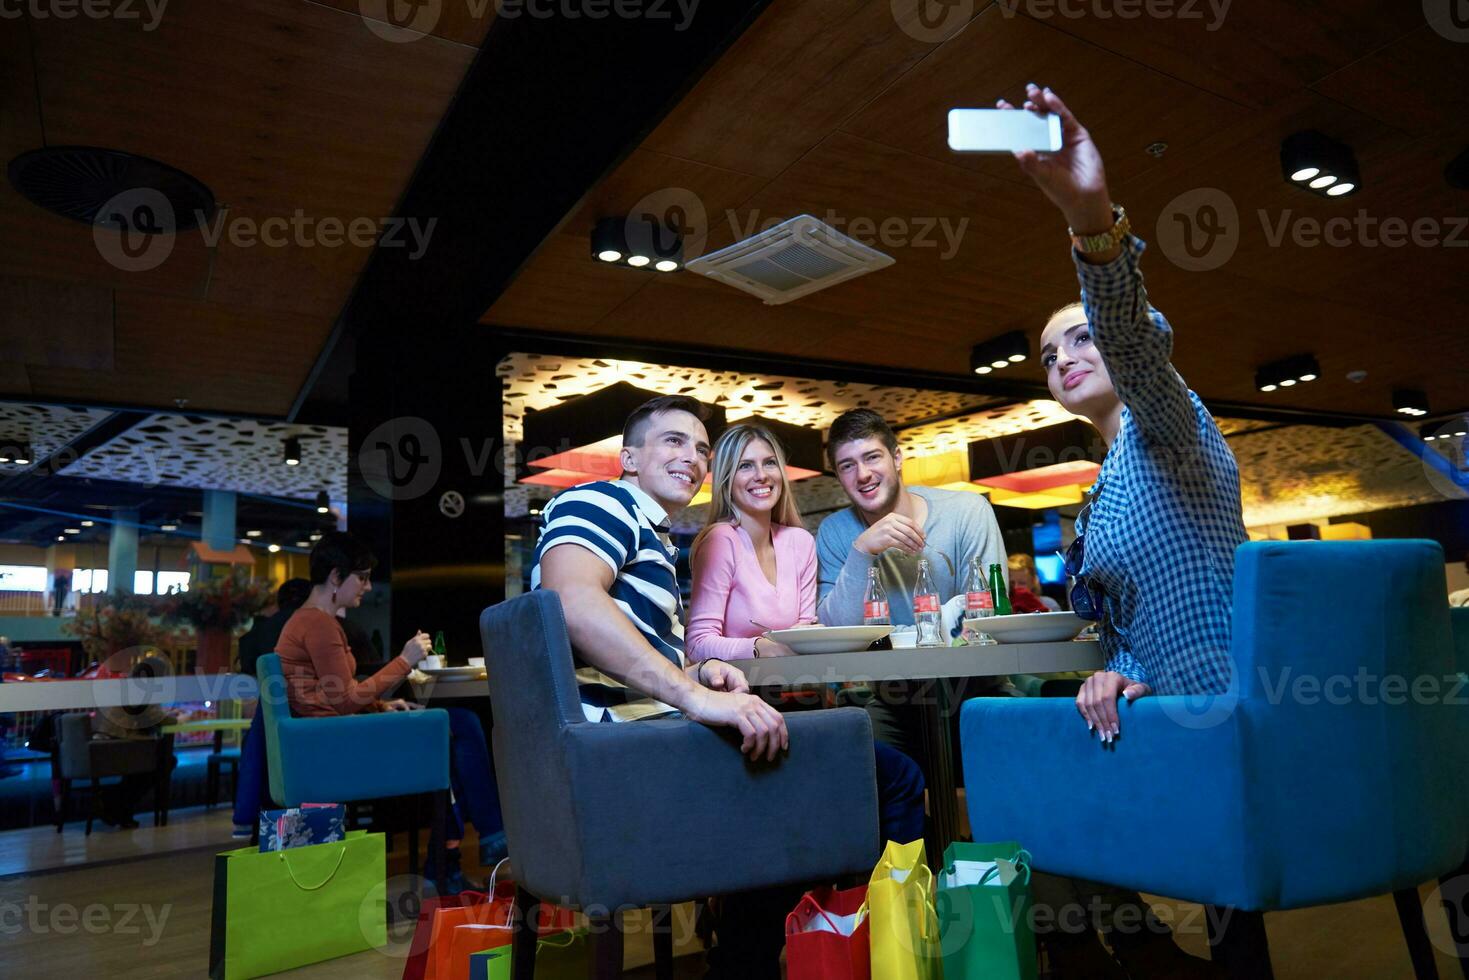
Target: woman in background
320, 682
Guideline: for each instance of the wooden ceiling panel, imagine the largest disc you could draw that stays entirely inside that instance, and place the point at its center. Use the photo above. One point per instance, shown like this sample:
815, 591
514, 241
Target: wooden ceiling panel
78, 319
1415, 84
1250, 53
562, 288
997, 54
462, 21
255, 362
801, 69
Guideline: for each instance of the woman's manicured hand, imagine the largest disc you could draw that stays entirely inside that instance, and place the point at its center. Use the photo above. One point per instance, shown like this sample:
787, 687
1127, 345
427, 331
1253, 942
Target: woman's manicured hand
1073, 177
417, 648
1097, 701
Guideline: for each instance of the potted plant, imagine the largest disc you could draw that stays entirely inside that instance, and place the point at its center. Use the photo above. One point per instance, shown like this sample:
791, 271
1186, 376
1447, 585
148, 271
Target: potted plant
119, 623
216, 608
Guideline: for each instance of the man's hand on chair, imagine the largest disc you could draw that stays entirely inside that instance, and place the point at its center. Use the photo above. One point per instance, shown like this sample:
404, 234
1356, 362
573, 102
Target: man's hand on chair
762, 727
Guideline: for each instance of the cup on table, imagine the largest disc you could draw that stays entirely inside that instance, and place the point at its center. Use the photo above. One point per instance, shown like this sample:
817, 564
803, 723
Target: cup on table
477, 662
432, 662
904, 638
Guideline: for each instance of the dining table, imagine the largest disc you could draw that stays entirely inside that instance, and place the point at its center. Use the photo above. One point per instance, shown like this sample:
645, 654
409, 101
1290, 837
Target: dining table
933, 674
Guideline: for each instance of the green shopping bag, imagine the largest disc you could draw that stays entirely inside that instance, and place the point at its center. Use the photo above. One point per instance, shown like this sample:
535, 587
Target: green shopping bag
562, 956
983, 903
282, 909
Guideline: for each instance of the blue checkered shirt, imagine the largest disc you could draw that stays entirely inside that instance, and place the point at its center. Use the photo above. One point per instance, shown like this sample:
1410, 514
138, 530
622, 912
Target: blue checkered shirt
1164, 516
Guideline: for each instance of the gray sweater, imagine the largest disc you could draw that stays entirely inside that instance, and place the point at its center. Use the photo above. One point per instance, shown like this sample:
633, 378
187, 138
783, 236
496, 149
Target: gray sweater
958, 526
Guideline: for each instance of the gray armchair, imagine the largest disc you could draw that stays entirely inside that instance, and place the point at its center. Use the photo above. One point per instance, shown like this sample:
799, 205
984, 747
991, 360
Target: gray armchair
76, 755
607, 817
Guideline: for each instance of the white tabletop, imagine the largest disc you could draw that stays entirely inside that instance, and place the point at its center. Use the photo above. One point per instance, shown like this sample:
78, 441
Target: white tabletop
926, 663
65, 695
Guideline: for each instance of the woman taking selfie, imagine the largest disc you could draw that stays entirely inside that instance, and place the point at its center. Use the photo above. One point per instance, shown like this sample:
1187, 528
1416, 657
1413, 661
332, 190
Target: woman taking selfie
320, 671
1153, 558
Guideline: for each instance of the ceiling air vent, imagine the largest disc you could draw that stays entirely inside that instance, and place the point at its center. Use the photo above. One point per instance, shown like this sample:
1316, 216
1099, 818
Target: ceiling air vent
76, 181
794, 258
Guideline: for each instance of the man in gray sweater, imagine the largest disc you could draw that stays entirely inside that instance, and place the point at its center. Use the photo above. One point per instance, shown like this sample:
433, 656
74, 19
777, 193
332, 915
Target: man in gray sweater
891, 526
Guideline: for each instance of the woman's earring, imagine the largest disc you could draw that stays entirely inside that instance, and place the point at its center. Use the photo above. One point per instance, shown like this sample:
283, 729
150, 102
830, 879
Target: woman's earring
334, 596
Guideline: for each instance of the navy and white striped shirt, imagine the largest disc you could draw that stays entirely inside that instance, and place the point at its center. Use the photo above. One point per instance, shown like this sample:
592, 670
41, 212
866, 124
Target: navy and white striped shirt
1165, 515
620, 524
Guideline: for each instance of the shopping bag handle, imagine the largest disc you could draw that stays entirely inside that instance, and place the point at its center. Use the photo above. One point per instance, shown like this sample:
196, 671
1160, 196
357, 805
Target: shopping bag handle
570, 941
330, 875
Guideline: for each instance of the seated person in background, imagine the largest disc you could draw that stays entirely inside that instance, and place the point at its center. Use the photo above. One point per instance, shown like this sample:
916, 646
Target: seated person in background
604, 549
252, 792
890, 526
120, 801
1154, 551
1461, 597
319, 669
1025, 587
260, 638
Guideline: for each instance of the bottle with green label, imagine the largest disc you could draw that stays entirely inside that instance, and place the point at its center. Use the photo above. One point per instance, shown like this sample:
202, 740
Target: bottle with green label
999, 590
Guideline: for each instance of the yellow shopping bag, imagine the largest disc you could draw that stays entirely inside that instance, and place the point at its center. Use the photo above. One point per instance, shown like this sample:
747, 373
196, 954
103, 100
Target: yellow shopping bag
904, 927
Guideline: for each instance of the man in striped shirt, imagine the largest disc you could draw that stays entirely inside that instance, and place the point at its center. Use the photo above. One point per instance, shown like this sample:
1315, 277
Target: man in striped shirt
620, 592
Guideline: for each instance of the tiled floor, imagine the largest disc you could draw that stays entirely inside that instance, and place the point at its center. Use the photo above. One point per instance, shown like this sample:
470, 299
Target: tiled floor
136, 904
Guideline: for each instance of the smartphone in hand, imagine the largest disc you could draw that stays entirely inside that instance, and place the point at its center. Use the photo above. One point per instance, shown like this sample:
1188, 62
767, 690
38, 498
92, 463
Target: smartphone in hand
1003, 131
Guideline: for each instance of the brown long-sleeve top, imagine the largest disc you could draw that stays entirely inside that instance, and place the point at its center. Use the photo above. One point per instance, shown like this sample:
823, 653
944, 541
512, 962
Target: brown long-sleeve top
319, 668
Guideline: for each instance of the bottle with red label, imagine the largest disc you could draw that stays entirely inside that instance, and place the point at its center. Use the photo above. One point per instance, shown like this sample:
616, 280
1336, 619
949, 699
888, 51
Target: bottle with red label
979, 601
875, 604
927, 616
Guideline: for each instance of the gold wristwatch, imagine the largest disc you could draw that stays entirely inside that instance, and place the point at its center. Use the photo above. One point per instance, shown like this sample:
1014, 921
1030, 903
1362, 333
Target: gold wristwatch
1093, 244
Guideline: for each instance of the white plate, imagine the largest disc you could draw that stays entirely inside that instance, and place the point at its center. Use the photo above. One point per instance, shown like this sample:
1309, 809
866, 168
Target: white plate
829, 639
453, 672
1045, 627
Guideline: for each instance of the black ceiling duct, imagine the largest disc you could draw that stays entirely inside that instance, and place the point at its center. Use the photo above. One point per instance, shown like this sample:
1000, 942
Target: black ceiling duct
76, 181
1457, 171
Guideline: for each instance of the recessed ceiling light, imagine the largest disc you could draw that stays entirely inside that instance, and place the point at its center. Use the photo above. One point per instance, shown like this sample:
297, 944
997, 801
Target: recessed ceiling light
316, 536
1318, 161
609, 255
1287, 382
1325, 180
1016, 358
303, 544
88, 523
1308, 377
272, 548
72, 530
1000, 363
168, 526
983, 369
1340, 189
666, 265
638, 261
1267, 387
252, 534
1305, 173
60, 537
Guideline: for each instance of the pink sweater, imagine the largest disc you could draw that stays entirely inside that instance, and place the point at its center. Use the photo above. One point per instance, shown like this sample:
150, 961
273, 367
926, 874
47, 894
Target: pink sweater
730, 589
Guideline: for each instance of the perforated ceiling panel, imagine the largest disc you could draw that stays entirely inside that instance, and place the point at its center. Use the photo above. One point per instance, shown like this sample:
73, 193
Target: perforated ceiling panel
45, 427
222, 454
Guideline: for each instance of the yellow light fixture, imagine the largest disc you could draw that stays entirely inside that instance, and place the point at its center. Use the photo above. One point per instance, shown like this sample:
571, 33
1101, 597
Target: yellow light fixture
1346, 531
937, 470
1038, 499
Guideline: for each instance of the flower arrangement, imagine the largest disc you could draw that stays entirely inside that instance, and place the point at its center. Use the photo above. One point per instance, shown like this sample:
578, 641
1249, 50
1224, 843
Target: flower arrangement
119, 621
222, 603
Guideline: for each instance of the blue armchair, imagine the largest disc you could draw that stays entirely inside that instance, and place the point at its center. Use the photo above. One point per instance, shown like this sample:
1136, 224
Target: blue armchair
1319, 777
606, 817
356, 757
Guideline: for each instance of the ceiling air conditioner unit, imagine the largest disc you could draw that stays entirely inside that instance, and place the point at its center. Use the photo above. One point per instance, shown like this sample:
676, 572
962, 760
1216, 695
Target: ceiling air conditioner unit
794, 258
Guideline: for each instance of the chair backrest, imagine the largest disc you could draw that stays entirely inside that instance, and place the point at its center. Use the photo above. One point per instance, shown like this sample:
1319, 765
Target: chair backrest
534, 695
275, 708
1459, 618
73, 733
1351, 735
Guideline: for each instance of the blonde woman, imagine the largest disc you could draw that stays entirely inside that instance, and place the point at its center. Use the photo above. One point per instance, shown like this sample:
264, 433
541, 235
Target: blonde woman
753, 561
